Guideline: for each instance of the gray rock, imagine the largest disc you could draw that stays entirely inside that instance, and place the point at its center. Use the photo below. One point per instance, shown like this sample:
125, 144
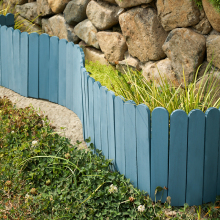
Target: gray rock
75, 11
29, 27
29, 11
56, 26
86, 31
159, 72
92, 54
177, 13
185, 49
203, 27
131, 3
213, 49
43, 8
102, 14
112, 44
143, 33
57, 6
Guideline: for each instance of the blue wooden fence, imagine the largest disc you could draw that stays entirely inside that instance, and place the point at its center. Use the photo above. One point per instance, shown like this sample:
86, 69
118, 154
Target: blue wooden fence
180, 152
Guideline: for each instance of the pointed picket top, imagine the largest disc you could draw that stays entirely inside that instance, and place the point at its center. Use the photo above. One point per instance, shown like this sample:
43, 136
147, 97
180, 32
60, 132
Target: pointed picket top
178, 157
211, 154
159, 152
143, 134
195, 157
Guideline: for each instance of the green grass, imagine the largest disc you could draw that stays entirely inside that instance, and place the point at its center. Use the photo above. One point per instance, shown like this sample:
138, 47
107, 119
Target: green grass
42, 176
133, 86
215, 3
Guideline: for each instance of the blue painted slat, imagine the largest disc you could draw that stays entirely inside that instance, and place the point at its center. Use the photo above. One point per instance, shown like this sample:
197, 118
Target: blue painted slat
83, 117
10, 58
33, 66
4, 51
24, 64
16, 80
104, 121
62, 72
218, 182
77, 81
177, 157
211, 155
143, 132
2, 20
159, 151
130, 142
69, 75
54, 69
119, 135
111, 125
195, 158
91, 109
9, 20
44, 58
85, 112
97, 104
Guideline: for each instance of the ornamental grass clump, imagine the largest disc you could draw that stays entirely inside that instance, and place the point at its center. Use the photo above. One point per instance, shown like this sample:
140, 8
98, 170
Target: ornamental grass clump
201, 94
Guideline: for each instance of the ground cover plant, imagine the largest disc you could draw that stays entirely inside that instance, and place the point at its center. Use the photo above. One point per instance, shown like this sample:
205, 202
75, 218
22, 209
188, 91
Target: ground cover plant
42, 176
215, 3
133, 86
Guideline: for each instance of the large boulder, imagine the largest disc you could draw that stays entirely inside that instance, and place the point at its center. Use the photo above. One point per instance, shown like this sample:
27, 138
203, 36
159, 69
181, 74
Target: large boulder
186, 50
75, 11
29, 11
102, 14
43, 8
57, 6
92, 54
177, 13
113, 45
46, 27
57, 26
204, 26
159, 72
143, 33
129, 3
212, 14
213, 49
86, 31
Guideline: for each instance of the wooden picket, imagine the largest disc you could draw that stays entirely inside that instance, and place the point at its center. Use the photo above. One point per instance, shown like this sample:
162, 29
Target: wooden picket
9, 20
130, 141
184, 159
143, 132
54, 69
33, 68
91, 109
211, 155
159, 152
195, 158
10, 58
177, 157
119, 135
104, 121
111, 125
69, 75
16, 80
4, 50
97, 106
24, 73
62, 72
44, 58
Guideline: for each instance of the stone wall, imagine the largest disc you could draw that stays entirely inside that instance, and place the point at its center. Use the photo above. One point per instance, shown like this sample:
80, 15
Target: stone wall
150, 35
